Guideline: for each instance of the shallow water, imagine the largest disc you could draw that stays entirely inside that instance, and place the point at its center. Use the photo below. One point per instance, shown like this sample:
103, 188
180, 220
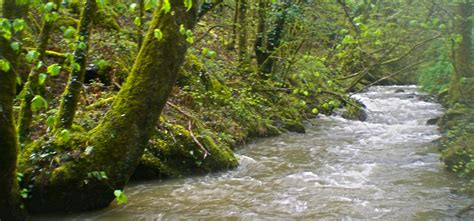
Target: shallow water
384, 168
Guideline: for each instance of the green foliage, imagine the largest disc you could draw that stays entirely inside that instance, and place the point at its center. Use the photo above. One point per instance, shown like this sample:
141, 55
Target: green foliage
120, 197
38, 102
4, 65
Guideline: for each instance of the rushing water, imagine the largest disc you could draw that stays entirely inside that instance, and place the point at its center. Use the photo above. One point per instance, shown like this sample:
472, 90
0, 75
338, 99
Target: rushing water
384, 168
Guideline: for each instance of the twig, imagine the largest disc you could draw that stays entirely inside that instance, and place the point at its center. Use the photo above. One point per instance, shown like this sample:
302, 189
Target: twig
190, 128
393, 74
206, 153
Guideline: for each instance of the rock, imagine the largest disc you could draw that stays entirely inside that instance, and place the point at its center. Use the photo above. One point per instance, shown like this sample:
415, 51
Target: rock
294, 126
433, 121
399, 90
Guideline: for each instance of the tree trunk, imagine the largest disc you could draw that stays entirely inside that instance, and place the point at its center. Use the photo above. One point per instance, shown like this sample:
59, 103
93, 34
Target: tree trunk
461, 83
274, 39
71, 95
9, 189
243, 35
117, 143
260, 49
31, 87
235, 20
141, 13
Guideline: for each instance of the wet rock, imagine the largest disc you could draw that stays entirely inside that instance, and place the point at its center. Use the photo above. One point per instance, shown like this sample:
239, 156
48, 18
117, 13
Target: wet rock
355, 112
433, 121
294, 126
399, 90
427, 98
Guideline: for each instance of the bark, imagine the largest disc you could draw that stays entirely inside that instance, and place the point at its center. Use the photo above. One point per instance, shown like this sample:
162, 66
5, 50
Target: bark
260, 49
207, 7
71, 95
31, 87
233, 37
462, 53
9, 189
243, 34
275, 36
119, 140
141, 12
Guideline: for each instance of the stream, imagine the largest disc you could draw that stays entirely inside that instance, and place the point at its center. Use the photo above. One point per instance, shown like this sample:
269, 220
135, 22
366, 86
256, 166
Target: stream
385, 168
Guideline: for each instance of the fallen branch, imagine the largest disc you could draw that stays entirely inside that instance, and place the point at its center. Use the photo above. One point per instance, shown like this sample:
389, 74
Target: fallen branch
206, 153
190, 128
393, 74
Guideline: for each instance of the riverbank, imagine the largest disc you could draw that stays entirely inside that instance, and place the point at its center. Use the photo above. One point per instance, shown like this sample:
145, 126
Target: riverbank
385, 168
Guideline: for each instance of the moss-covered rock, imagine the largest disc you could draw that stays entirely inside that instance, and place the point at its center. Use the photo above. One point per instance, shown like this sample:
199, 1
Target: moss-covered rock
294, 126
354, 111
173, 152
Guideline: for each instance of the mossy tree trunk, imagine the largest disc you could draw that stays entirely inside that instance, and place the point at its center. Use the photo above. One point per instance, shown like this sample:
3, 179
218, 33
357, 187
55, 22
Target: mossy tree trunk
462, 54
117, 143
260, 48
206, 7
235, 20
9, 189
31, 87
71, 95
244, 58
141, 13
275, 36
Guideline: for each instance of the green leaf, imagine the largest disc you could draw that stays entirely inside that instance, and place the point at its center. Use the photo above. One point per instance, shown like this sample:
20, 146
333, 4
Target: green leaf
4, 65
182, 30
120, 197
19, 25
101, 3
166, 7
315, 111
158, 34
38, 102
48, 7
54, 70
150, 4
211, 54
32, 55
75, 67
103, 175
101, 63
50, 121
42, 78
190, 40
188, 4
15, 46
137, 21
65, 135
133, 6
70, 32
81, 45
5, 28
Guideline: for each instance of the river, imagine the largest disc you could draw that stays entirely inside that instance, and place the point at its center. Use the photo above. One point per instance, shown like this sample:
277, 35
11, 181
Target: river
385, 168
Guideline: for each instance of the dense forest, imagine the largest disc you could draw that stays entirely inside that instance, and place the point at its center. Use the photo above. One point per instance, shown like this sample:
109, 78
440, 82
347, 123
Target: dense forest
96, 93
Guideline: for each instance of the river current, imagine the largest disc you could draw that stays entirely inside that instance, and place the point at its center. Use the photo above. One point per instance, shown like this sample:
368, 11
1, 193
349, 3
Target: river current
386, 168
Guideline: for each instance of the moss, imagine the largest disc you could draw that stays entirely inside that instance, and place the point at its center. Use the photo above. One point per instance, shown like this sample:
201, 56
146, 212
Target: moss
172, 152
354, 111
457, 142
107, 18
294, 126
71, 95
116, 145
